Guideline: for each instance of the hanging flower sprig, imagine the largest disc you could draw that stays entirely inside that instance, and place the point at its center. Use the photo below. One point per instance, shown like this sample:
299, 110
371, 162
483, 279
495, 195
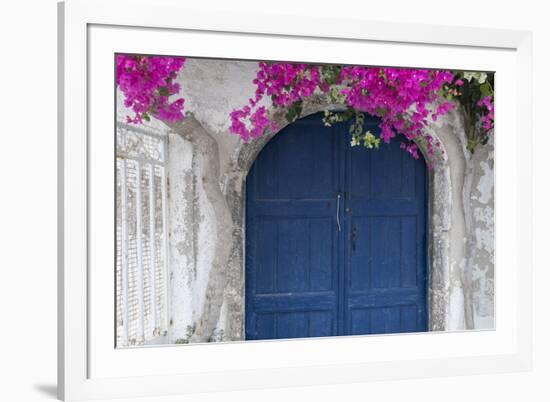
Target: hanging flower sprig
286, 84
147, 83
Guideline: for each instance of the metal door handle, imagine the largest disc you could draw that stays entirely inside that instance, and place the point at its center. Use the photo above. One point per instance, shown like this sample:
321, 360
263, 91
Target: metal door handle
338, 212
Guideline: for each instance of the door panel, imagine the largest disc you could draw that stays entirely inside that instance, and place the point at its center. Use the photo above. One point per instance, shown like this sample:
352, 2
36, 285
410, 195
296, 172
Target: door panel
335, 236
295, 255
294, 325
386, 253
292, 238
298, 164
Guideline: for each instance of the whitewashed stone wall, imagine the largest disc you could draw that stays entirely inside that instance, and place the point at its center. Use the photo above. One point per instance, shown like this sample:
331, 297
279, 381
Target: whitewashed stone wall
206, 173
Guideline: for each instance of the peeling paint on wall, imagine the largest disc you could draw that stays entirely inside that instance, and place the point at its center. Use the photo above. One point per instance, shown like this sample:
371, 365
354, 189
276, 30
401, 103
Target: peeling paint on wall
482, 243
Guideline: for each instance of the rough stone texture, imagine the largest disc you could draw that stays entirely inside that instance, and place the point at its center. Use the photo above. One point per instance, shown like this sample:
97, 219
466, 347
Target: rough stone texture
457, 230
208, 168
439, 225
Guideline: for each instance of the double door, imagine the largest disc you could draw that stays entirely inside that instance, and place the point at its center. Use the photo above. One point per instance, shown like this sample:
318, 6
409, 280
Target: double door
335, 236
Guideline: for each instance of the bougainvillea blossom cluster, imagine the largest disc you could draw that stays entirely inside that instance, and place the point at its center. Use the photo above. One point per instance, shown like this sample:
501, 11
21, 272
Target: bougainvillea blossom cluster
403, 99
487, 118
147, 83
285, 84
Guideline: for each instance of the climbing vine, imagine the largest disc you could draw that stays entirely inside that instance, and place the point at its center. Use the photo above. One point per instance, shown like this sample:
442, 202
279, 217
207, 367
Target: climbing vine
405, 100
474, 94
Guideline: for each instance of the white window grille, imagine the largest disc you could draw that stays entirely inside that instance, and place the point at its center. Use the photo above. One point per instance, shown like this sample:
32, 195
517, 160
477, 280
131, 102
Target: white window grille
141, 237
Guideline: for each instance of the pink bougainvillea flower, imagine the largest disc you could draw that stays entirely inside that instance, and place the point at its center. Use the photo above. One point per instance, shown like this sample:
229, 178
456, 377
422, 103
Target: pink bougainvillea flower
403, 99
147, 83
487, 117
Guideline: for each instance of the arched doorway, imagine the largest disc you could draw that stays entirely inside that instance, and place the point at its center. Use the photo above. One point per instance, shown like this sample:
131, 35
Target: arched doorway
335, 236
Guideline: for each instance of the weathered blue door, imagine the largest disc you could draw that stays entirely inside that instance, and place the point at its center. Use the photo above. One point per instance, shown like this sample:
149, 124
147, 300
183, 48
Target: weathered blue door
335, 236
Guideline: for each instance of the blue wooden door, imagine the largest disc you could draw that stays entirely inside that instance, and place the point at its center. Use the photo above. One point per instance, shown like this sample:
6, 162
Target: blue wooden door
335, 236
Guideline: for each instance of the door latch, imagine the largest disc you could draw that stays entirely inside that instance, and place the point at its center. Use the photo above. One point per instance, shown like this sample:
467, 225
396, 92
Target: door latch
353, 238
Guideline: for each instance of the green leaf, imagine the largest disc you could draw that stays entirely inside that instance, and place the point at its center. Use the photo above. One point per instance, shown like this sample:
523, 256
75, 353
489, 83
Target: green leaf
468, 76
330, 74
334, 95
471, 146
485, 89
145, 117
294, 111
381, 111
327, 118
348, 114
163, 91
370, 141
481, 77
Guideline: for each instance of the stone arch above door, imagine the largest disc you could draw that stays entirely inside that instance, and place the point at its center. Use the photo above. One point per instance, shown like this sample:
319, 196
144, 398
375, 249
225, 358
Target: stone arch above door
442, 312
224, 301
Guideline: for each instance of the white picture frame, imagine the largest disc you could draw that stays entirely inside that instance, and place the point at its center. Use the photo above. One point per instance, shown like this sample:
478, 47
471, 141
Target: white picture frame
90, 367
